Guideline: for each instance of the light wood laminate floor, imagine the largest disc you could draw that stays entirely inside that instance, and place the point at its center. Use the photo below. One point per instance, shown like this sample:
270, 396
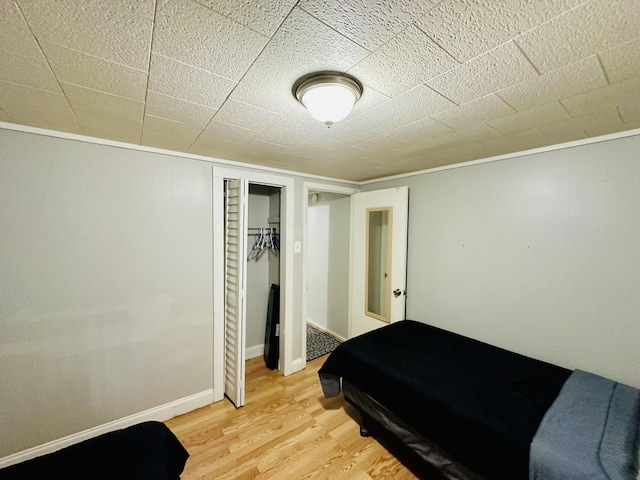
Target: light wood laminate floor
287, 430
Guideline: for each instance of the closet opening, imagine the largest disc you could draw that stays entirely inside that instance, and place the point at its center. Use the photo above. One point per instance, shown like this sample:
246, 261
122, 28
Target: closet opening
252, 274
263, 274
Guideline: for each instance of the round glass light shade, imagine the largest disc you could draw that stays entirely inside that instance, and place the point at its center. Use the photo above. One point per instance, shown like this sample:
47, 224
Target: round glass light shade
329, 98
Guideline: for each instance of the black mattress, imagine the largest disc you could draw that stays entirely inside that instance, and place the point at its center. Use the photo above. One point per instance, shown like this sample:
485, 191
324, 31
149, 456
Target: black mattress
146, 451
480, 403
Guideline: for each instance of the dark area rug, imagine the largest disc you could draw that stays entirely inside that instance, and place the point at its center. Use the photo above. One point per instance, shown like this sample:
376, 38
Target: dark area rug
319, 343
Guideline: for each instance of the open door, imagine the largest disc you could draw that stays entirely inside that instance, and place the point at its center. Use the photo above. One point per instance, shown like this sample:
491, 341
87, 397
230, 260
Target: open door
236, 206
378, 259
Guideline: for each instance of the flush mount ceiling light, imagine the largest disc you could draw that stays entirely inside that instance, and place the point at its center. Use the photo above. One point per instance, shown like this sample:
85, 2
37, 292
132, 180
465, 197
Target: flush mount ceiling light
329, 96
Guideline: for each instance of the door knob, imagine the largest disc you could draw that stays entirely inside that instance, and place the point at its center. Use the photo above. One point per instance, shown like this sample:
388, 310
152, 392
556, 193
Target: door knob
397, 292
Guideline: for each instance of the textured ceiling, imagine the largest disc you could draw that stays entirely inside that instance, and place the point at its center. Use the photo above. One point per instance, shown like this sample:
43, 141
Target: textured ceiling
444, 81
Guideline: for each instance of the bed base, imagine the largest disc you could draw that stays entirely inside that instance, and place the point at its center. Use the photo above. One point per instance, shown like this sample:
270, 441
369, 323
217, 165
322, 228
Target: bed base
372, 411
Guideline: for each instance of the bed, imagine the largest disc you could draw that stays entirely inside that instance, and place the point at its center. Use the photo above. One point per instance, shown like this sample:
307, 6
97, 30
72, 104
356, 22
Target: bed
145, 451
475, 411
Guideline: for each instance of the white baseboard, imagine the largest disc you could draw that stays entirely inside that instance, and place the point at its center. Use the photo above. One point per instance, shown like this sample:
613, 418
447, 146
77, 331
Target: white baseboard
255, 351
325, 329
297, 365
160, 414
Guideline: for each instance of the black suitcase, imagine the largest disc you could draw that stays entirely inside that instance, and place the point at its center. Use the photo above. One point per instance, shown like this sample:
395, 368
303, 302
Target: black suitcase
272, 333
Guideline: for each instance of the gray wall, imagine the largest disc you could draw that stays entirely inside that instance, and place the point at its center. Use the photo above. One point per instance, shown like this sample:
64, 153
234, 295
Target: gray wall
106, 284
539, 254
106, 281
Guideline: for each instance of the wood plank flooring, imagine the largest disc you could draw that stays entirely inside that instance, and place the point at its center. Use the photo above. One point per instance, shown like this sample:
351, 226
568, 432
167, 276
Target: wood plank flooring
287, 430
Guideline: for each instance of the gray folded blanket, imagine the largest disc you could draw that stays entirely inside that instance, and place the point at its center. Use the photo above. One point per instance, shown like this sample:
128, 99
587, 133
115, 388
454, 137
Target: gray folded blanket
591, 432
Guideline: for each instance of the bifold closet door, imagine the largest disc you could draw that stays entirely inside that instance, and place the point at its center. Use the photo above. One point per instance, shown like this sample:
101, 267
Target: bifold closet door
236, 213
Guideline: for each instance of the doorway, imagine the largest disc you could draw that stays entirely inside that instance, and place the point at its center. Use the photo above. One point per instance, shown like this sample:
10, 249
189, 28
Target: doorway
327, 226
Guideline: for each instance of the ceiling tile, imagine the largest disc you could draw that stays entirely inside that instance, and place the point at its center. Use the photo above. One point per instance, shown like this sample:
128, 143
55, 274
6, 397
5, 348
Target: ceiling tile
300, 46
169, 128
594, 120
188, 83
477, 111
117, 30
81, 98
370, 99
617, 94
178, 143
15, 35
269, 150
213, 146
463, 136
621, 127
630, 113
526, 119
99, 121
518, 141
567, 81
79, 68
440, 156
246, 116
306, 152
264, 16
369, 23
62, 119
620, 63
403, 63
355, 169
378, 144
421, 129
249, 152
228, 133
332, 140
282, 136
126, 137
467, 29
413, 105
29, 71
567, 136
178, 110
584, 31
14, 97
196, 35
217, 148
501, 67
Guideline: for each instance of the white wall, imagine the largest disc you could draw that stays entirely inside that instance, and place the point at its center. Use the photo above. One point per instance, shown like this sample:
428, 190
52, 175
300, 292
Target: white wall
538, 254
328, 262
318, 263
106, 281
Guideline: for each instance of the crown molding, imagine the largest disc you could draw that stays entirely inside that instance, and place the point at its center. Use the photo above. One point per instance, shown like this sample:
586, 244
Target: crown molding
143, 148
508, 156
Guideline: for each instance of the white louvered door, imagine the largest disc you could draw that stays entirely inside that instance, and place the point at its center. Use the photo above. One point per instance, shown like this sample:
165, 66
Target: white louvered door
235, 288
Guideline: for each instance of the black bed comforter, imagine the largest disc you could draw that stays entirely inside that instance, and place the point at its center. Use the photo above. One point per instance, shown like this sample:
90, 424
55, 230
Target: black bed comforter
146, 451
481, 403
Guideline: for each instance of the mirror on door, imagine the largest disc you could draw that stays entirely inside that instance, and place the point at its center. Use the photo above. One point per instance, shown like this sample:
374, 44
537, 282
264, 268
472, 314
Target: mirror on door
378, 264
